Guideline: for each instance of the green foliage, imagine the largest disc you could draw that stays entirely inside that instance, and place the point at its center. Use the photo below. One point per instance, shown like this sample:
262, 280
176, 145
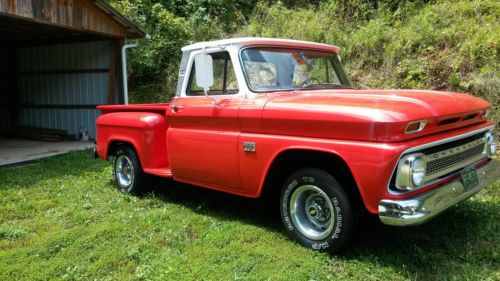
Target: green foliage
63, 219
171, 25
11, 233
448, 45
424, 44
154, 61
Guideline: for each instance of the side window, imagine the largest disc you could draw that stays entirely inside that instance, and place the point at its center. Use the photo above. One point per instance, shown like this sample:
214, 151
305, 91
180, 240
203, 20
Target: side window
224, 77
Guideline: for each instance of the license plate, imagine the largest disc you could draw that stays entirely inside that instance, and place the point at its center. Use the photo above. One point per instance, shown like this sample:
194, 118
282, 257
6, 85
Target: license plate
469, 178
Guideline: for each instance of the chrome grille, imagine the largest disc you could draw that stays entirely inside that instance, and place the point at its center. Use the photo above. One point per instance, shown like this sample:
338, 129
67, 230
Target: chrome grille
455, 158
442, 159
443, 163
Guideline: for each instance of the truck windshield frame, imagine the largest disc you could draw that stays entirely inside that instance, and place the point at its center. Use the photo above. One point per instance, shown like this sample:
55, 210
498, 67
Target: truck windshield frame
269, 69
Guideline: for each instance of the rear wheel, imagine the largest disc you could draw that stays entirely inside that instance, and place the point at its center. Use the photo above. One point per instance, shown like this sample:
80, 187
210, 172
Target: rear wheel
316, 211
127, 171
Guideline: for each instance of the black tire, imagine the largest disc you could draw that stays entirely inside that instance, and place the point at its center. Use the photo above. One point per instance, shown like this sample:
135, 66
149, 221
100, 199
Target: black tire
309, 221
128, 155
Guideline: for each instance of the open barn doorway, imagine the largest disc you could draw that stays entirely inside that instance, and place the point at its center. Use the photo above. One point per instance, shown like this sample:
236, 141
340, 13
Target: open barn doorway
58, 61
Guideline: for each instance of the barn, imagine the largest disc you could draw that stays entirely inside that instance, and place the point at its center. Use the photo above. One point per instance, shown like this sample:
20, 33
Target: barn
58, 60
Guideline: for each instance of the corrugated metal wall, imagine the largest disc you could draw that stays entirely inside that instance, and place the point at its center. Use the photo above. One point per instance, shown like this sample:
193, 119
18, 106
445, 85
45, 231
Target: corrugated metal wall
59, 85
6, 87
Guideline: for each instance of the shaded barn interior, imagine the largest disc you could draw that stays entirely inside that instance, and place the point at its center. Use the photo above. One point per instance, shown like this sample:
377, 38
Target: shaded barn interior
58, 61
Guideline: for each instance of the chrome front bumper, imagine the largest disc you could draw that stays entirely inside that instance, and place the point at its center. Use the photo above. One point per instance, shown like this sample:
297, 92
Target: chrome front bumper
423, 207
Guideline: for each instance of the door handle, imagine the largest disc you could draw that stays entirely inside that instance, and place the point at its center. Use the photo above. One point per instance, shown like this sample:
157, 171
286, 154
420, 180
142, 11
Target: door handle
176, 108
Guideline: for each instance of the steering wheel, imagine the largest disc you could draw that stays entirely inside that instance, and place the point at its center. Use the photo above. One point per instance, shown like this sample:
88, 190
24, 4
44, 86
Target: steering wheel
308, 81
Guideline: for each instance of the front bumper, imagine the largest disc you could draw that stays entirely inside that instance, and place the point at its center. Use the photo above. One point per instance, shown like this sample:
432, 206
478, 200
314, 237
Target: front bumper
423, 207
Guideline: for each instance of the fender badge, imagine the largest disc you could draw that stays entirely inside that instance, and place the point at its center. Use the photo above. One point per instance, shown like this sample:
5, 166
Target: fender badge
249, 146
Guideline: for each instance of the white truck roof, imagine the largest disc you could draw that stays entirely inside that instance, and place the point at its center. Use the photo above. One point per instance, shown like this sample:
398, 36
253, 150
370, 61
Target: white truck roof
258, 41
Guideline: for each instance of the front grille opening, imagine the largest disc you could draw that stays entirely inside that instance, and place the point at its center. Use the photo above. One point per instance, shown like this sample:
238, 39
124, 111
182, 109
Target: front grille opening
452, 160
468, 117
455, 159
448, 121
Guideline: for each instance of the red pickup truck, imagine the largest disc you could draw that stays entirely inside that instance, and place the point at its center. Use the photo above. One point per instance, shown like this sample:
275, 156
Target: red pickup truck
253, 115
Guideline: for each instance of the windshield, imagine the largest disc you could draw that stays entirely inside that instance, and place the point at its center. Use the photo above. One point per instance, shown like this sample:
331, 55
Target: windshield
273, 69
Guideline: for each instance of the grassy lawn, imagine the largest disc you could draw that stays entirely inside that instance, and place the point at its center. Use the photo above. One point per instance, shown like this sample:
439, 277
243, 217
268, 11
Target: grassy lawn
63, 219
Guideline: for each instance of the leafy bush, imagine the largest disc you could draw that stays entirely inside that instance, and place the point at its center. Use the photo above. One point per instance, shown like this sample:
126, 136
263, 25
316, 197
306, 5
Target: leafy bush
172, 24
423, 44
448, 45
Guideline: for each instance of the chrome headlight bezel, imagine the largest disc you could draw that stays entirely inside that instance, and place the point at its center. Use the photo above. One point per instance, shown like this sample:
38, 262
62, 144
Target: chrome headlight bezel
486, 113
491, 143
411, 172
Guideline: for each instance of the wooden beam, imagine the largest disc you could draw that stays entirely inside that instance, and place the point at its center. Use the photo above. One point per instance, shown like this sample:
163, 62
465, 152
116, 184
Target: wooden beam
85, 29
64, 71
14, 120
58, 106
84, 15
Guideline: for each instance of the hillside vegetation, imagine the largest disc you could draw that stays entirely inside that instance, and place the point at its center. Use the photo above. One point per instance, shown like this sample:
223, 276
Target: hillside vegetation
420, 44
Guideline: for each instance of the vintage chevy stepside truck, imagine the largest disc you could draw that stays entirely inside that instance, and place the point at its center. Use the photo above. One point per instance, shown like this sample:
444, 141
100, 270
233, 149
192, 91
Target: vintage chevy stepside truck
255, 115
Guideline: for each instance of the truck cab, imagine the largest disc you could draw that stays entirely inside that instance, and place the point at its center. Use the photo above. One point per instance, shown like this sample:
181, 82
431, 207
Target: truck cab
258, 115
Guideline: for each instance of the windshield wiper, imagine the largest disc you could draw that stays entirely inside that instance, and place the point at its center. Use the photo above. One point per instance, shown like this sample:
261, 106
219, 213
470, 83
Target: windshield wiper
322, 86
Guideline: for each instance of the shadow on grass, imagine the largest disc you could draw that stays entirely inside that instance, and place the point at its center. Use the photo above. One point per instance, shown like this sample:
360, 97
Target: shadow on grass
259, 212
457, 241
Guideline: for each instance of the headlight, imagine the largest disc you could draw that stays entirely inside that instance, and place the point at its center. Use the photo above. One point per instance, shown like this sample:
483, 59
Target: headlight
491, 143
418, 171
411, 172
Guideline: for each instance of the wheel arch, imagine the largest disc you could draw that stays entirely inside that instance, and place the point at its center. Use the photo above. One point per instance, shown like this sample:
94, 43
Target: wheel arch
290, 160
114, 144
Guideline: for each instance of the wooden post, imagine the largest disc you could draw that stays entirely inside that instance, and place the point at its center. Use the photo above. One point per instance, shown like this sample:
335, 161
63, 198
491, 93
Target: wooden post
113, 57
15, 102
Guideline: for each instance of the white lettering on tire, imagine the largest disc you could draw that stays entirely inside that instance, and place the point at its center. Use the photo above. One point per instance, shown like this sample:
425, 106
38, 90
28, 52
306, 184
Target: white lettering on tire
308, 179
320, 246
338, 218
284, 203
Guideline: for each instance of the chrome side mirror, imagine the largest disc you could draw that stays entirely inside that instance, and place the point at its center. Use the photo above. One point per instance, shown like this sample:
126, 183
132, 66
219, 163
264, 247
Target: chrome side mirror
205, 73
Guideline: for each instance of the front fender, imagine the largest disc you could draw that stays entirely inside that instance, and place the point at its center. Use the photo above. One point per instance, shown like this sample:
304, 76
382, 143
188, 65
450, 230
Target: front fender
370, 163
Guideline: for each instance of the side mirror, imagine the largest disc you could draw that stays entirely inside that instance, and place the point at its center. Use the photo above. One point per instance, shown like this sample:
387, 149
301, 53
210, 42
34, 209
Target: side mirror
204, 71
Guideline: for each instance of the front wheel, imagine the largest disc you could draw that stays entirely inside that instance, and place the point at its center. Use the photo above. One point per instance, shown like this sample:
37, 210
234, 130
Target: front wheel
316, 211
127, 171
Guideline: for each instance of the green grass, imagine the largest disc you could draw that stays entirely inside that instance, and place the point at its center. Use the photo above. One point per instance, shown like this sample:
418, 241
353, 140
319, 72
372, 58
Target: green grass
62, 219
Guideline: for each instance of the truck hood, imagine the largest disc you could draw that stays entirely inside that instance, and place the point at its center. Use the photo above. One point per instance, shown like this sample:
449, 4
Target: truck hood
369, 115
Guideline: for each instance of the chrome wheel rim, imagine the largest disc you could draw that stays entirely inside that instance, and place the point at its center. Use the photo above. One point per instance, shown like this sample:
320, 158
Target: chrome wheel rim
312, 212
124, 170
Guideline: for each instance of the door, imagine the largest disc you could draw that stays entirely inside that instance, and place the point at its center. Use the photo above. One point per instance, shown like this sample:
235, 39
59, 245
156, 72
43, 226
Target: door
203, 135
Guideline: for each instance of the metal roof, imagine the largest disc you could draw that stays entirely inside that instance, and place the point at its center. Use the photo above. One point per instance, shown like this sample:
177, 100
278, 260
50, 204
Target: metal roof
32, 21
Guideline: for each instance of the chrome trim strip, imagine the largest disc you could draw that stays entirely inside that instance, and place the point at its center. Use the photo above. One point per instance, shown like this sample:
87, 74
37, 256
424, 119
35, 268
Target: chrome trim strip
421, 208
427, 145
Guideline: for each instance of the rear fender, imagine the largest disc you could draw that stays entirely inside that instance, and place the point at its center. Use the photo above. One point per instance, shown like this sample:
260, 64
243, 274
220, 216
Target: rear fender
146, 132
